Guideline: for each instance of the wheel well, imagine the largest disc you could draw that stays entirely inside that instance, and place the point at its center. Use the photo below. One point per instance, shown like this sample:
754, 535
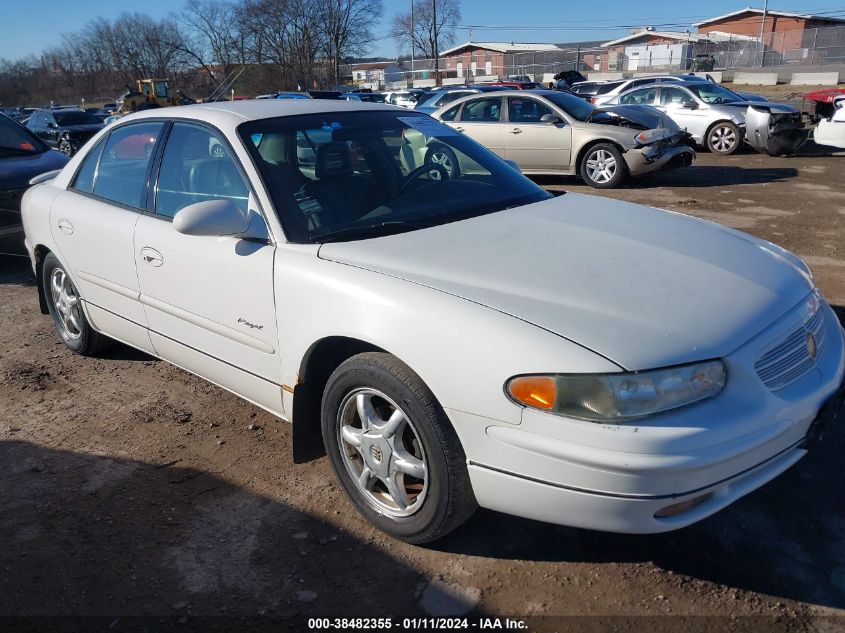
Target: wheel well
318, 363
587, 147
719, 122
41, 252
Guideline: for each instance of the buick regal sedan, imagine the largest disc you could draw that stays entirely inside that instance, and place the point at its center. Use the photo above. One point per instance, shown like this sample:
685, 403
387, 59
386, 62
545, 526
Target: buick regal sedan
451, 340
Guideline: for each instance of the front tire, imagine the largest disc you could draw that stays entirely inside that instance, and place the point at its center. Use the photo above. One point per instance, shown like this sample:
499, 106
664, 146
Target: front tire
393, 449
65, 306
723, 138
445, 157
603, 166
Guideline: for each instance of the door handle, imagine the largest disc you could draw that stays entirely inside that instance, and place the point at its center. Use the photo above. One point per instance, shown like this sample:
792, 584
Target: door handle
151, 256
459, 128
516, 130
65, 227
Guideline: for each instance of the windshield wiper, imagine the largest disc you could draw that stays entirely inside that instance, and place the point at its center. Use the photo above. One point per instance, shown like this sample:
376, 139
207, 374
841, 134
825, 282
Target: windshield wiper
367, 231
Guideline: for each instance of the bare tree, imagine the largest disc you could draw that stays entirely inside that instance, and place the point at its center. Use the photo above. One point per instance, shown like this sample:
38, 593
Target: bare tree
431, 29
347, 28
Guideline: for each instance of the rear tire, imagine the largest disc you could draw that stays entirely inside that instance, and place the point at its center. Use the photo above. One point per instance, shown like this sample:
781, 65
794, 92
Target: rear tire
65, 306
603, 166
723, 138
407, 477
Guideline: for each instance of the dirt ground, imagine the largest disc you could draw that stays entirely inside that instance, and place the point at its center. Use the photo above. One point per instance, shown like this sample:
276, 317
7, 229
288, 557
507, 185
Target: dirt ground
131, 488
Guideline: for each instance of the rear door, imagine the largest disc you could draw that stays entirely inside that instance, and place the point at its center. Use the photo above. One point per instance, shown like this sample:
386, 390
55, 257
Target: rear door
93, 222
209, 300
533, 145
482, 120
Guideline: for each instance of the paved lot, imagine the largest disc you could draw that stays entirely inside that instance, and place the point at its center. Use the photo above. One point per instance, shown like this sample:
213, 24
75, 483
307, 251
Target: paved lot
130, 487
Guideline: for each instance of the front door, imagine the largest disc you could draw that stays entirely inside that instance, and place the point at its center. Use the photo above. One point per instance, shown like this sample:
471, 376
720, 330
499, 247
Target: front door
209, 300
92, 223
533, 145
481, 120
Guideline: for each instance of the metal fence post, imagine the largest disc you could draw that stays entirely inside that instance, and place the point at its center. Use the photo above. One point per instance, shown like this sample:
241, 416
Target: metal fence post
813, 51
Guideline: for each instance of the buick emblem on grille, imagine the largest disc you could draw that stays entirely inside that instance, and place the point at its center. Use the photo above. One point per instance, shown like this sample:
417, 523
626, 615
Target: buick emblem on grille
811, 345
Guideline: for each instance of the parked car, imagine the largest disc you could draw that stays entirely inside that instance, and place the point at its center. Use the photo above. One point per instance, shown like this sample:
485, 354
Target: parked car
432, 101
718, 118
552, 132
646, 369
832, 131
824, 100
605, 96
290, 95
404, 98
64, 129
23, 156
592, 90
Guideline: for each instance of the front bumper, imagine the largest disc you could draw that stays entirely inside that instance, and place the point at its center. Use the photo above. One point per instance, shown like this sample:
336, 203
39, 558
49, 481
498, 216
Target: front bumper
621, 477
644, 160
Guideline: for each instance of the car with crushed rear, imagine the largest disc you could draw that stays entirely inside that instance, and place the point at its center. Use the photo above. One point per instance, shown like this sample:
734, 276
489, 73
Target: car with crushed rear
450, 339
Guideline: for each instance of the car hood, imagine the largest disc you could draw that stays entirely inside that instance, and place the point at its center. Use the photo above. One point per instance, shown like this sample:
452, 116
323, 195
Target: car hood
645, 116
643, 287
775, 108
16, 171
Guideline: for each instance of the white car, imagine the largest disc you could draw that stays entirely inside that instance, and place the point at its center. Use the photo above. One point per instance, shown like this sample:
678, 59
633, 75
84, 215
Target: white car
451, 342
403, 98
831, 131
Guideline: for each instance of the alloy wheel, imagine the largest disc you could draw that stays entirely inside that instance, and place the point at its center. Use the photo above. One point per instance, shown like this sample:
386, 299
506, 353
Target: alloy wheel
601, 166
65, 147
723, 139
382, 453
442, 158
66, 303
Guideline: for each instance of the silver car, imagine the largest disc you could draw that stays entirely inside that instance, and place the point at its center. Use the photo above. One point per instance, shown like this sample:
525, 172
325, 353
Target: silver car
555, 133
719, 119
619, 87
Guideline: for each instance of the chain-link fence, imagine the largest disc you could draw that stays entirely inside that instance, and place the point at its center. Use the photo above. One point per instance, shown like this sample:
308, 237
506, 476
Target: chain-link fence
723, 51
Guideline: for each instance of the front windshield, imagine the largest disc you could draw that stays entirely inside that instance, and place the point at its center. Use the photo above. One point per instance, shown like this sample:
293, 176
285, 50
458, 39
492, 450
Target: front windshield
351, 175
713, 93
16, 139
75, 118
576, 107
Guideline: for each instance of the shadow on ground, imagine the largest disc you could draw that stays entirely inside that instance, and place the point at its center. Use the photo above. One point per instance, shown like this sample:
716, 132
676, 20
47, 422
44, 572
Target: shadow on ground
85, 534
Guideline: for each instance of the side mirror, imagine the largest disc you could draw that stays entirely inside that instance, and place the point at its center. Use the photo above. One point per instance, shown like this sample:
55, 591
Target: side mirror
690, 105
551, 119
211, 218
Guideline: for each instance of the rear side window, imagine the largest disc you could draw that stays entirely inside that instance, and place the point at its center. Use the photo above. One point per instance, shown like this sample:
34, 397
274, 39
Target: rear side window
605, 88
450, 114
122, 172
642, 96
482, 111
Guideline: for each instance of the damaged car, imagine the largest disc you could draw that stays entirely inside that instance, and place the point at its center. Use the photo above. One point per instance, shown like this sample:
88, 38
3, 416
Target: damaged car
554, 133
721, 120
831, 131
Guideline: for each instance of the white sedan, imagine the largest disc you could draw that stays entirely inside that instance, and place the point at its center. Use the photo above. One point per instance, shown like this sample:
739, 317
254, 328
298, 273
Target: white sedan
452, 340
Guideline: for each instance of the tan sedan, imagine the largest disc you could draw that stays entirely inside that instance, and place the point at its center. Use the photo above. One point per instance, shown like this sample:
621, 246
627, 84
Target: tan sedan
555, 133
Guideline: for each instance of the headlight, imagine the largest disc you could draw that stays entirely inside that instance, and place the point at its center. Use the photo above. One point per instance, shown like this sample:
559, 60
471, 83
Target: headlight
619, 397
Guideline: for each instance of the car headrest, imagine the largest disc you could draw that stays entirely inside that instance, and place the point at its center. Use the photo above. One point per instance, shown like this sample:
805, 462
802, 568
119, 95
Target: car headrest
333, 160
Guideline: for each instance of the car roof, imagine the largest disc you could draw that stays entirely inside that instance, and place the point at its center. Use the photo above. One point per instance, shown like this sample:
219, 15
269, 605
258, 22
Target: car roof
230, 114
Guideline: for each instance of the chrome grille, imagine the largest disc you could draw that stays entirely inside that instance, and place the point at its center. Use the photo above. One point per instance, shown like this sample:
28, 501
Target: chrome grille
790, 359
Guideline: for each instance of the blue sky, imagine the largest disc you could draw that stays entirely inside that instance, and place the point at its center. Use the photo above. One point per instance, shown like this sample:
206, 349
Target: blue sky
29, 31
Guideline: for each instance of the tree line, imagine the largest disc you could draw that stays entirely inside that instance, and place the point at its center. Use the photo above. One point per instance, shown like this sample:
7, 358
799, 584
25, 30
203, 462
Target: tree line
281, 44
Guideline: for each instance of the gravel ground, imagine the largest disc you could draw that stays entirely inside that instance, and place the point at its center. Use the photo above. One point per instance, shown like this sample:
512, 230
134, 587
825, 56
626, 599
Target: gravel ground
129, 487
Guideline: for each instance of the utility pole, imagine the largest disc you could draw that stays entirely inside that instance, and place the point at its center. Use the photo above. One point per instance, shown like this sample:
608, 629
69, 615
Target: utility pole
436, 34
762, 27
412, 42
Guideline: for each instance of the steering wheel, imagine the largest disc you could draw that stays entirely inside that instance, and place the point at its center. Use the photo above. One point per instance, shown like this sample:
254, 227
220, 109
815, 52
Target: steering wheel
443, 174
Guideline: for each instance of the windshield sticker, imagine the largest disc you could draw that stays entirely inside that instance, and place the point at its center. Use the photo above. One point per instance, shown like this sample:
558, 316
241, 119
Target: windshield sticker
429, 127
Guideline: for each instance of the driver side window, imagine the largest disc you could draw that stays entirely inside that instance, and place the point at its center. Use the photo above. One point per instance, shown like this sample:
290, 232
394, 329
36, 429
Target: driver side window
674, 96
196, 167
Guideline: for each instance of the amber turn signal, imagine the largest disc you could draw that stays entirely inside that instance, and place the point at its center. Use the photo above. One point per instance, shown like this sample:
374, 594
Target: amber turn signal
534, 391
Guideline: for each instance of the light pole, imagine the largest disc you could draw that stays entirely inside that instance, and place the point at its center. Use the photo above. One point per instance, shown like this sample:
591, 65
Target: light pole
762, 27
412, 43
436, 33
